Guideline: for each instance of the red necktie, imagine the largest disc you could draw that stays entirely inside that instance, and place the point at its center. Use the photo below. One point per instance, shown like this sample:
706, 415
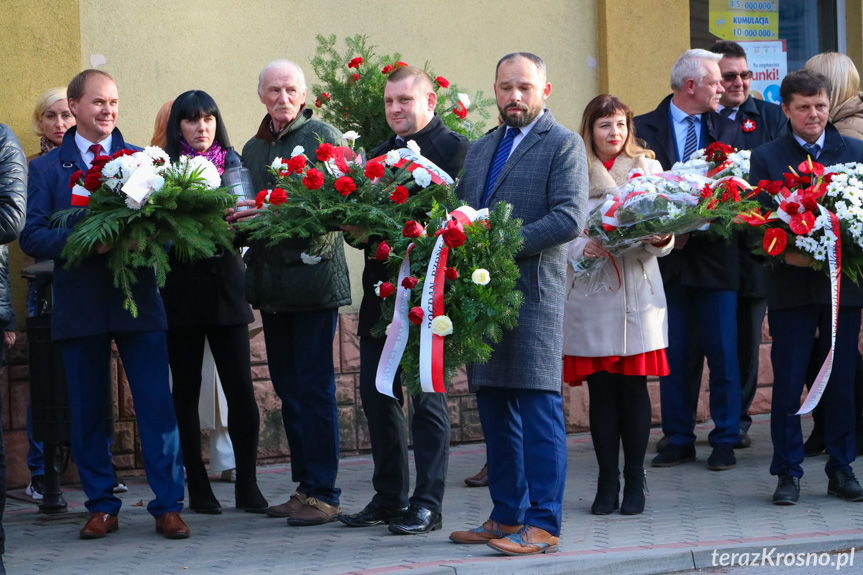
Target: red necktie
96, 149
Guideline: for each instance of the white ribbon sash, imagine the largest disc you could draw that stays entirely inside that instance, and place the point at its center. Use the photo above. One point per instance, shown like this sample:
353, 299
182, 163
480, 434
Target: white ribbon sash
397, 338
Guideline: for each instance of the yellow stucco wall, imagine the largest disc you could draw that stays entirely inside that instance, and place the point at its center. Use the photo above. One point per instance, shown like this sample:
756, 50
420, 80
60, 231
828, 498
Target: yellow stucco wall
159, 49
638, 44
40, 48
854, 31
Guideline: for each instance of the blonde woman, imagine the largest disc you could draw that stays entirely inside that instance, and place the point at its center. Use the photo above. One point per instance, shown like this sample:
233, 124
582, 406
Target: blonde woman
846, 100
51, 120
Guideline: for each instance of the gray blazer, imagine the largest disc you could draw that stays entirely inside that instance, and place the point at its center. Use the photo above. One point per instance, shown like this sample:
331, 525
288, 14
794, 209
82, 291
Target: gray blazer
545, 179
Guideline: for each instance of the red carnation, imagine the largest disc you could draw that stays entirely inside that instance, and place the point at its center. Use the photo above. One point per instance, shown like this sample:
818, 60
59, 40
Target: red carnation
802, 223
400, 64
410, 282
325, 96
412, 230
75, 178
387, 69
442, 82
123, 152
386, 289
317, 102
345, 185
355, 78
356, 62
416, 315
313, 180
717, 152
383, 252
460, 111
399, 195
374, 170
260, 199
706, 191
278, 197
326, 151
297, 164
451, 273
775, 240
93, 179
453, 233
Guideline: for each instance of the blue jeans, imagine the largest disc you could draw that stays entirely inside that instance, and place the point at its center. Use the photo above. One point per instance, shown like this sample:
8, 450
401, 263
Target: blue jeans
300, 357
712, 315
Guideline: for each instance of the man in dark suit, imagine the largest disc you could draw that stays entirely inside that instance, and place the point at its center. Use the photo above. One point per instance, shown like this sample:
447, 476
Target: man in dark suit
88, 314
540, 168
409, 100
759, 122
701, 276
800, 303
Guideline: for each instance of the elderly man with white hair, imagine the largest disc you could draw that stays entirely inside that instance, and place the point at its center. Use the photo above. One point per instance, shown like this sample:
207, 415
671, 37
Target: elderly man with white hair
701, 276
299, 303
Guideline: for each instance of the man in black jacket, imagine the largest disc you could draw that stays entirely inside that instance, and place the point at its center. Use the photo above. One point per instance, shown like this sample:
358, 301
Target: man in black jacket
759, 122
13, 198
800, 303
410, 100
701, 277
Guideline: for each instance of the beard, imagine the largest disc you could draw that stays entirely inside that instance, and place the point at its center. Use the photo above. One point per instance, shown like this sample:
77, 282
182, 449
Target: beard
528, 115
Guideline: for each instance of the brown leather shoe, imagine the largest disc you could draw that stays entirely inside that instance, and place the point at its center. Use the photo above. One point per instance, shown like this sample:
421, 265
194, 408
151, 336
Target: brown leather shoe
315, 512
289, 507
529, 540
171, 526
484, 533
480, 479
99, 525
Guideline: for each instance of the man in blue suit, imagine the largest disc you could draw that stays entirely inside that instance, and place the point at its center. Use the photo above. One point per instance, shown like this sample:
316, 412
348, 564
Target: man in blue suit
800, 303
88, 313
540, 168
701, 276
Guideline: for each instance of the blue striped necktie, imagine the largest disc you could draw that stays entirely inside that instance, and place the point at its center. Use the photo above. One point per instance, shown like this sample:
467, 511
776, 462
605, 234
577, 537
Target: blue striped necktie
813, 150
503, 150
691, 139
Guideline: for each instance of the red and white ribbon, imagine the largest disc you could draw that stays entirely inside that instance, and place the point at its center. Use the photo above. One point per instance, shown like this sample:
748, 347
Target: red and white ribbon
609, 213
431, 345
397, 338
834, 258
80, 196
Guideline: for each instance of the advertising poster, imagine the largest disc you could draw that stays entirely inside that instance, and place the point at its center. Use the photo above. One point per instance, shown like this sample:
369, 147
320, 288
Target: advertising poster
768, 62
744, 20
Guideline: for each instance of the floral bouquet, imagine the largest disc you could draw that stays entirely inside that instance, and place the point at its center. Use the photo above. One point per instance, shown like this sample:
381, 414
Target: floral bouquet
820, 208
351, 93
667, 203
341, 189
454, 294
141, 205
717, 161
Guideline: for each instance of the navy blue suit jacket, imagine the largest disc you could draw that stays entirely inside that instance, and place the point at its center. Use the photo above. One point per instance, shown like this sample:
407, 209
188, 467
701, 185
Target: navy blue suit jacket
706, 261
792, 286
85, 299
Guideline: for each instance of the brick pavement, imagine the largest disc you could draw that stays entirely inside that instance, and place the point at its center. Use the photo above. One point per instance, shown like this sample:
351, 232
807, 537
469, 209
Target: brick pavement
690, 511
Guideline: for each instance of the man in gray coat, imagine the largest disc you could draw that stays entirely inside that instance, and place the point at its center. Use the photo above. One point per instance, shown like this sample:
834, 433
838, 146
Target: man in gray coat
540, 168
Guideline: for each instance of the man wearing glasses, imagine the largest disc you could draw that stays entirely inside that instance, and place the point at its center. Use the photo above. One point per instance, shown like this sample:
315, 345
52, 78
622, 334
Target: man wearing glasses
760, 122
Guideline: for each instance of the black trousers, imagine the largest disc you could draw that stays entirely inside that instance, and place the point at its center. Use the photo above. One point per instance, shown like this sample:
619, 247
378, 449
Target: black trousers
619, 414
430, 429
750, 317
230, 346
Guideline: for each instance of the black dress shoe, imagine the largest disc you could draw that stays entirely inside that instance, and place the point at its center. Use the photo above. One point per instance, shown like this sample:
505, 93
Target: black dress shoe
844, 485
722, 458
787, 490
417, 520
662, 444
373, 514
743, 441
674, 455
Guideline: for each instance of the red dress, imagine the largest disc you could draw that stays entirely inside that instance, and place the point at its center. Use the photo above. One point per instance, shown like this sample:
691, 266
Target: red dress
576, 368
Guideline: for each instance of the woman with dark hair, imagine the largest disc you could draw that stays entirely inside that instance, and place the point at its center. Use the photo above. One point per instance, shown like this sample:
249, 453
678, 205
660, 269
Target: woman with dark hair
616, 337
206, 300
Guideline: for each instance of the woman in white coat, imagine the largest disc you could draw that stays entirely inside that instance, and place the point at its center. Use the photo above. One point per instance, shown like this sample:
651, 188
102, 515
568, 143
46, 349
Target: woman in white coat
616, 336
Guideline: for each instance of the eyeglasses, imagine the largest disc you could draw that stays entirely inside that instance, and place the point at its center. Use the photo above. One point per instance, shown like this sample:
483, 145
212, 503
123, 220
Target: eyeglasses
730, 76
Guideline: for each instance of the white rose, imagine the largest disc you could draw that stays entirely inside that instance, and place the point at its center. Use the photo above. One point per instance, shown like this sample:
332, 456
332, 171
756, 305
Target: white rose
298, 150
441, 325
393, 158
310, 260
480, 276
412, 145
464, 99
350, 135
422, 177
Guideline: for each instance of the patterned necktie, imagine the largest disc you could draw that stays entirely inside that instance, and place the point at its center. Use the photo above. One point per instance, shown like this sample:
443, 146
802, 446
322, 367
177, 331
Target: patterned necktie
813, 150
691, 139
503, 150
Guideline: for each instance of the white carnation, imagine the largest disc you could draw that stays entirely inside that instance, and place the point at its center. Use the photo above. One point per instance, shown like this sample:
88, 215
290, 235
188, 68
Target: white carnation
422, 176
393, 158
464, 99
350, 135
310, 260
277, 163
298, 151
412, 145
